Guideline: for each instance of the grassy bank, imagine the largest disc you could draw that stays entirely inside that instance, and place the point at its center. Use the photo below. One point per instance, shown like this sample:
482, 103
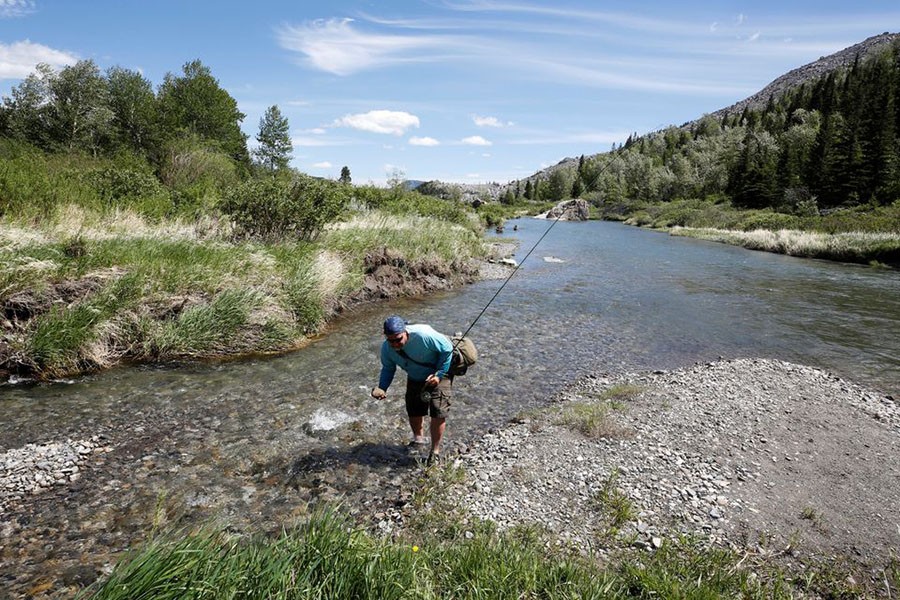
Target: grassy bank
330, 557
867, 235
84, 291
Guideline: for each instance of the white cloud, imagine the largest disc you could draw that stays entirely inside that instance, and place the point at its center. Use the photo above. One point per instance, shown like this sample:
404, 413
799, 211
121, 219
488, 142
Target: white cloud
335, 46
423, 141
19, 59
489, 121
322, 165
16, 8
380, 121
475, 140
753, 37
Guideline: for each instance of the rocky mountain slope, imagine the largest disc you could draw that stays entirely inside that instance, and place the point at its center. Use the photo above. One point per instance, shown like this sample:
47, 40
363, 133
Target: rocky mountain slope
809, 72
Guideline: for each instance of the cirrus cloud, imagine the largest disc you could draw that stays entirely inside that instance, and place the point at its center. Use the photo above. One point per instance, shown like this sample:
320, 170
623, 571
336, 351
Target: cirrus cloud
335, 46
16, 8
380, 121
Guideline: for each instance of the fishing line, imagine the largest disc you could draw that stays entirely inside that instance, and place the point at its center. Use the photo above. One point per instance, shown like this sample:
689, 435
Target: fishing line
615, 157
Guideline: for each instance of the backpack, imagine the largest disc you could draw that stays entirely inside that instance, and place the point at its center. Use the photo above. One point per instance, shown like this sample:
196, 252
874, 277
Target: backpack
464, 355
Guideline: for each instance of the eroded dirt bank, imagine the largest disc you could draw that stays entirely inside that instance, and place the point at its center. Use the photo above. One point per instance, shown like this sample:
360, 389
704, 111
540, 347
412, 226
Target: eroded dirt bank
387, 274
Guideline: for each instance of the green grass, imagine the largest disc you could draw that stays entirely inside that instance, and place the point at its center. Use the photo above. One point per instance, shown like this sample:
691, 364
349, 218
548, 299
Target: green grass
331, 557
102, 290
596, 419
411, 236
614, 504
865, 234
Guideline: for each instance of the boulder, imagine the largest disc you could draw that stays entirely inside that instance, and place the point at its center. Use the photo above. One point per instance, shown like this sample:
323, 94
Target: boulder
569, 210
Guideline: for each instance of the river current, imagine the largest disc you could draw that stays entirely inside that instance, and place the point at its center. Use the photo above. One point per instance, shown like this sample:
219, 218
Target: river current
261, 439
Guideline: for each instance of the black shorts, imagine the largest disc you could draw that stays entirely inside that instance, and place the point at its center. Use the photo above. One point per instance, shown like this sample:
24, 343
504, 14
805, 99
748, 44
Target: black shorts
431, 401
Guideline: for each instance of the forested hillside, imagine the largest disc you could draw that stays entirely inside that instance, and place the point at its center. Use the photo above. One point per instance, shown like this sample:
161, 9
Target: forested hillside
828, 143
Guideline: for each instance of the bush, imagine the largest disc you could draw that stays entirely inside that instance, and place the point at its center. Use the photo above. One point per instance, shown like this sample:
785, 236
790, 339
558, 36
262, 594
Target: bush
275, 208
128, 188
771, 221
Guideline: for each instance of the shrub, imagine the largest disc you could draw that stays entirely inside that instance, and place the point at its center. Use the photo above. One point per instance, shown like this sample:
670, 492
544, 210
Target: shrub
771, 221
129, 188
275, 208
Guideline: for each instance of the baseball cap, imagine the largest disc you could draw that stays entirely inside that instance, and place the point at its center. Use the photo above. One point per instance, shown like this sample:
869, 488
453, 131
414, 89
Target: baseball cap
394, 325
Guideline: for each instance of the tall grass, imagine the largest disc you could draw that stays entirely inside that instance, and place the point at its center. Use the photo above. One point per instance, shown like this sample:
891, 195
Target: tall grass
330, 557
847, 247
410, 235
180, 291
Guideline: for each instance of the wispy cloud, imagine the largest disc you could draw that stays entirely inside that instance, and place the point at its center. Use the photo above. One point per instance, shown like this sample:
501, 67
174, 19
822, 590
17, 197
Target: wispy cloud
10, 9
490, 121
322, 165
423, 141
608, 56
337, 47
380, 121
18, 60
475, 140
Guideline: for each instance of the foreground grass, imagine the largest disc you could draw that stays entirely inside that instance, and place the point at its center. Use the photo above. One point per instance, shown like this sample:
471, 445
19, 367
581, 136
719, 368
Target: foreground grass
329, 557
84, 293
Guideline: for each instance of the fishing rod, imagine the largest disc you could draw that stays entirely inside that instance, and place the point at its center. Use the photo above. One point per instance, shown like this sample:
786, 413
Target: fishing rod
536, 244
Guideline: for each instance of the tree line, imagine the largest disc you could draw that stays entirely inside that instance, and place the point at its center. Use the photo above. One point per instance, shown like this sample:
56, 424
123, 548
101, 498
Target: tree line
828, 143
173, 150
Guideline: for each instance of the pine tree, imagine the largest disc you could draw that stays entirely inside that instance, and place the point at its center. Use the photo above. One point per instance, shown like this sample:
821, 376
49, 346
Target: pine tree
274, 150
345, 174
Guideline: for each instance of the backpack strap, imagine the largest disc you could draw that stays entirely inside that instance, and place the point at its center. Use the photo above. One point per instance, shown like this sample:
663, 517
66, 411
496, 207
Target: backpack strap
408, 357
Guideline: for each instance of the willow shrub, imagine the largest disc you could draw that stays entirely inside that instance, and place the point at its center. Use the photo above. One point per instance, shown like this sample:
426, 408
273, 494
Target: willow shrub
399, 201
273, 208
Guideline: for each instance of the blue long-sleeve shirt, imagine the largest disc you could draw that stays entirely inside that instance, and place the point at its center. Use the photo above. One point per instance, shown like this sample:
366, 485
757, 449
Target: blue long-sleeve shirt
426, 346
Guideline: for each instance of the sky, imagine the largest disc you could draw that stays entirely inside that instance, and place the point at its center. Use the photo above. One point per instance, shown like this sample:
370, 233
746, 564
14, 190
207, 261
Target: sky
467, 91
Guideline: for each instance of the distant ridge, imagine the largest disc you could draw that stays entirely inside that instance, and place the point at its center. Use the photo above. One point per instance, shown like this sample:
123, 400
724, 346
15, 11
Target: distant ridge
808, 72
811, 72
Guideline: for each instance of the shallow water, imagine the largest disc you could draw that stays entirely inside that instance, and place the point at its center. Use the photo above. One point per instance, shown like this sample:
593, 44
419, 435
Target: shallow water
257, 440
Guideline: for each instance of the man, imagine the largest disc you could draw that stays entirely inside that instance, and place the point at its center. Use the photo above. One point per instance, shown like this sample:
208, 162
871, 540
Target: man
425, 355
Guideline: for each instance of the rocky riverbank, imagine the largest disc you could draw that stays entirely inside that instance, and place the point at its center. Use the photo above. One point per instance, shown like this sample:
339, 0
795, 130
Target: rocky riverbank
765, 457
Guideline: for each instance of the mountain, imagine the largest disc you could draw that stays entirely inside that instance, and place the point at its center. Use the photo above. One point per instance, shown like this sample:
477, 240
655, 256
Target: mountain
811, 72
807, 73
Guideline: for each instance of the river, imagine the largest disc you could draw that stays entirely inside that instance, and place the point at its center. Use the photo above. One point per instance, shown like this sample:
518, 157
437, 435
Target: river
257, 442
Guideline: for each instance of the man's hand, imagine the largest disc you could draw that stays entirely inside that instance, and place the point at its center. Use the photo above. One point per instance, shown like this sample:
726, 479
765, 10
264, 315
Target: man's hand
432, 380
378, 393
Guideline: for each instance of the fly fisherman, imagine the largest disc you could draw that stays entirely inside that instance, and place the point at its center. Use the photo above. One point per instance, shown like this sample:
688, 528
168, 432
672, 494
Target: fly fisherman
425, 355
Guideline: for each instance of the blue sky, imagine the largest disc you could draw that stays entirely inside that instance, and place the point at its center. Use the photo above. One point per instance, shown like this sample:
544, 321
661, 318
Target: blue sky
458, 90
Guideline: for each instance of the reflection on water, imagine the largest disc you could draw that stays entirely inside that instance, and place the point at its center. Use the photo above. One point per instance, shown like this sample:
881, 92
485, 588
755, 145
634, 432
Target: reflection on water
262, 436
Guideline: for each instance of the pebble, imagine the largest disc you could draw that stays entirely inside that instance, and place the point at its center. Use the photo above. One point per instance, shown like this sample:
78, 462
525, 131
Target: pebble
34, 468
548, 474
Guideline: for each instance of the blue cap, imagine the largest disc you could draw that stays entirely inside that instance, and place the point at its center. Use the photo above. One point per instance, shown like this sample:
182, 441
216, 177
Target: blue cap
394, 325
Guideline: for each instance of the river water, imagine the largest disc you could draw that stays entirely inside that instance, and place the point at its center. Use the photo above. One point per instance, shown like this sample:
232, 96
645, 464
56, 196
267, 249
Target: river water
260, 440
